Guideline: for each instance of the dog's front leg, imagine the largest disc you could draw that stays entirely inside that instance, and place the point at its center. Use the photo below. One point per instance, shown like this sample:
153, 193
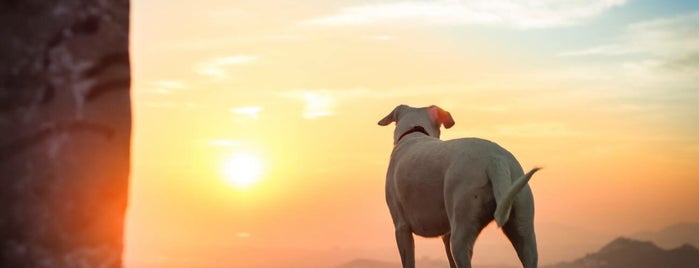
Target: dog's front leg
406, 246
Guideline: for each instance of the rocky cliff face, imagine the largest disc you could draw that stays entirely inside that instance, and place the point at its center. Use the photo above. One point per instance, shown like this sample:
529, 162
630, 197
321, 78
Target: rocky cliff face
66, 124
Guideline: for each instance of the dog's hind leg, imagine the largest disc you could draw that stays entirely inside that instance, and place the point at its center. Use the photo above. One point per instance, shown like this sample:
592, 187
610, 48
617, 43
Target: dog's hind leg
462, 240
467, 217
520, 230
446, 238
524, 241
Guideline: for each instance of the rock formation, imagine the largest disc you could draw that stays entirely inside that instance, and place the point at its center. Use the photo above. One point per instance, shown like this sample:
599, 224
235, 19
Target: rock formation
65, 124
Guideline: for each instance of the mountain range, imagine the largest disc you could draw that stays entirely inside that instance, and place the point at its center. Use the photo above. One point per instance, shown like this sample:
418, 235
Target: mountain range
620, 253
674, 246
625, 252
672, 236
422, 263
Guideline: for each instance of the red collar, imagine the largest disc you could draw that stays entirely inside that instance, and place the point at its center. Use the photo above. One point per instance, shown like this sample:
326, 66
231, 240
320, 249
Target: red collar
412, 130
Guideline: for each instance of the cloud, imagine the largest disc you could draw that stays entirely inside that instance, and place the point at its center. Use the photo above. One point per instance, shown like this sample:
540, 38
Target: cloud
284, 37
218, 67
689, 62
225, 16
161, 87
659, 53
666, 37
318, 104
538, 130
170, 84
613, 49
653, 58
650, 71
323, 102
511, 13
381, 37
249, 111
243, 235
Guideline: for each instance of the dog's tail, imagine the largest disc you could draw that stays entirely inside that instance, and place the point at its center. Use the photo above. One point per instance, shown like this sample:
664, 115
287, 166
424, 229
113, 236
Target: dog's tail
505, 192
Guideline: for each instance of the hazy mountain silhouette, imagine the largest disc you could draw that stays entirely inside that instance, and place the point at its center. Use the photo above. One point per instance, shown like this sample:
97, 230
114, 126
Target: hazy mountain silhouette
422, 263
367, 263
672, 236
559, 242
677, 247
624, 252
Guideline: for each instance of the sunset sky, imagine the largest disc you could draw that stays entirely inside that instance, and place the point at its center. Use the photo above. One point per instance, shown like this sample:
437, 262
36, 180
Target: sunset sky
603, 94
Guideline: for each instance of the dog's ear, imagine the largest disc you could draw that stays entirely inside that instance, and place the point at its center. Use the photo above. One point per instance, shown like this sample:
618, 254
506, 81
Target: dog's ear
391, 117
443, 116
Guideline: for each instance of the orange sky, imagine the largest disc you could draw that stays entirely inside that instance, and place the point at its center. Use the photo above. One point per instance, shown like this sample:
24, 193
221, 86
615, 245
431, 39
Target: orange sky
603, 104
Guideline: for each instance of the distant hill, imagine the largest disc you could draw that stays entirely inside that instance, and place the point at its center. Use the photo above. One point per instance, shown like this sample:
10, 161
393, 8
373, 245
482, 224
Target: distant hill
422, 263
366, 263
560, 242
624, 252
672, 236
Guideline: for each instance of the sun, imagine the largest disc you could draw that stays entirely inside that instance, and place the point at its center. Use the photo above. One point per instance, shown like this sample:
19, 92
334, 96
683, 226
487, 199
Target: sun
242, 170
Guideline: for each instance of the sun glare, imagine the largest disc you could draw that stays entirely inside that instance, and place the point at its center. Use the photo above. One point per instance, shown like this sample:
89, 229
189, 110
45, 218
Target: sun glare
243, 170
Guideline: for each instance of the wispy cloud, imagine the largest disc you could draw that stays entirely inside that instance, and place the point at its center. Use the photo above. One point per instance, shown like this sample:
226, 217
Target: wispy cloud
211, 43
243, 235
323, 102
218, 67
665, 37
161, 87
170, 84
652, 55
225, 16
651, 71
381, 37
611, 49
538, 130
249, 111
318, 104
284, 37
511, 13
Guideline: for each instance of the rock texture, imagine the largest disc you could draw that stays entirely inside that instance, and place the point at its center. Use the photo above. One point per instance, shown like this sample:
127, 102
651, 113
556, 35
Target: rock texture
66, 125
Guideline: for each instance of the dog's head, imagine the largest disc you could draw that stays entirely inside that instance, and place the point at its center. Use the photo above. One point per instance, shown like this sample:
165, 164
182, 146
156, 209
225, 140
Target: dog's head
407, 118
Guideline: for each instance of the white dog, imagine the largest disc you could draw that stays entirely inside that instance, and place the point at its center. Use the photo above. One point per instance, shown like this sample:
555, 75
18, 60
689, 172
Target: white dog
454, 188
